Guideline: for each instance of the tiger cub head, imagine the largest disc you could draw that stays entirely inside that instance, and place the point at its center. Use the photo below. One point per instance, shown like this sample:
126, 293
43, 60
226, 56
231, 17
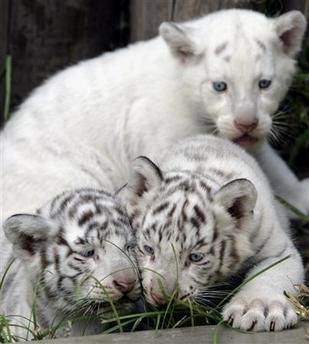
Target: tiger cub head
236, 65
190, 236
77, 249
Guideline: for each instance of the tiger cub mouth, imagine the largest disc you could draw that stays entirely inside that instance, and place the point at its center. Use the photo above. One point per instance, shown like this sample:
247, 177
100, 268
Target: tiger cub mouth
246, 140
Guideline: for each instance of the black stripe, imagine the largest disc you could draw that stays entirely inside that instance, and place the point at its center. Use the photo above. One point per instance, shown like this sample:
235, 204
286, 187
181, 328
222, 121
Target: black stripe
195, 223
221, 254
159, 209
171, 212
215, 233
76, 268
86, 216
200, 215
262, 246
205, 186
44, 261
173, 179
234, 254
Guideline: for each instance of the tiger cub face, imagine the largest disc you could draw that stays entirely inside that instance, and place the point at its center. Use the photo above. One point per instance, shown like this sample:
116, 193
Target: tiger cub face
238, 65
189, 235
78, 248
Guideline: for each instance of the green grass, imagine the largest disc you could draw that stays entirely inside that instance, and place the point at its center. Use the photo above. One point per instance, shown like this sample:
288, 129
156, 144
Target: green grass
6, 75
301, 302
174, 315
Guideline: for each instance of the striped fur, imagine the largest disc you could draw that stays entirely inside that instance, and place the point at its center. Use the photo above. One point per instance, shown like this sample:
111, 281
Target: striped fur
181, 216
77, 252
200, 219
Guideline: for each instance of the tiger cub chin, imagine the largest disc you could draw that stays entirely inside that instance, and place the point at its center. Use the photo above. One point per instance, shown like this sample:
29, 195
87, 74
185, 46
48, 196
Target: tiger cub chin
199, 219
73, 259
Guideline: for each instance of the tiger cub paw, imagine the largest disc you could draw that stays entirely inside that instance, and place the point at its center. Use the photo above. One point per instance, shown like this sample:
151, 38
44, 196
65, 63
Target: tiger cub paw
259, 315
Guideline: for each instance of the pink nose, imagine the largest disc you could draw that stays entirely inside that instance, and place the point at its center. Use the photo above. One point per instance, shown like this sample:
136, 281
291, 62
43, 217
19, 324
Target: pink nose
159, 300
246, 127
124, 286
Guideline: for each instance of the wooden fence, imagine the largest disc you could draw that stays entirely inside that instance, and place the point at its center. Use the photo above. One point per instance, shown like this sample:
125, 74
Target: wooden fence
44, 36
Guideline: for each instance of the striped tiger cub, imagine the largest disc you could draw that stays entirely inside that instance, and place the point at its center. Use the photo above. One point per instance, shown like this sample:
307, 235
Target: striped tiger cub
205, 214
76, 253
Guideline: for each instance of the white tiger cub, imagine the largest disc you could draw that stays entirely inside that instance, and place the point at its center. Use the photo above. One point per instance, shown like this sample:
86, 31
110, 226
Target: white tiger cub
72, 259
225, 72
199, 218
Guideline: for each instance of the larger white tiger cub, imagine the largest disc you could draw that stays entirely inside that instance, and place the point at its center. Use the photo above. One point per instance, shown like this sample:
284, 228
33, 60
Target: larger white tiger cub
223, 73
200, 218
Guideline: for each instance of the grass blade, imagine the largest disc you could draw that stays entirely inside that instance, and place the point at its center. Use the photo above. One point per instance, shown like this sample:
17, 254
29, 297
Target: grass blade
293, 209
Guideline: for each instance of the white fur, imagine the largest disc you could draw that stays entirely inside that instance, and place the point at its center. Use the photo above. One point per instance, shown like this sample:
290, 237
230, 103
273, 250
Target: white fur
262, 232
103, 112
83, 126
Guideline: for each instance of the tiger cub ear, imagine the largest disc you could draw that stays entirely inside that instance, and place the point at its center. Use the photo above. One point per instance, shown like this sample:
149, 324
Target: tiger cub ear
238, 197
177, 37
291, 27
27, 233
144, 176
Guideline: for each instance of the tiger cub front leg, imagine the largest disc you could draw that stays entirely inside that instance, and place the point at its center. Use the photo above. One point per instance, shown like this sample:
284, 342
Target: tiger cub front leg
283, 181
261, 304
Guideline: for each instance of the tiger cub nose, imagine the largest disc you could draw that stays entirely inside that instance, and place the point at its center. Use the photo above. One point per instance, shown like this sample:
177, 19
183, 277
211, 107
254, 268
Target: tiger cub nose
245, 126
124, 286
159, 299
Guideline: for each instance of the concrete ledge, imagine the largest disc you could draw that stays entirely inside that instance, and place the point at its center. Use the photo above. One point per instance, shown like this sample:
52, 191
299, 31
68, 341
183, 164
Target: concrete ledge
191, 335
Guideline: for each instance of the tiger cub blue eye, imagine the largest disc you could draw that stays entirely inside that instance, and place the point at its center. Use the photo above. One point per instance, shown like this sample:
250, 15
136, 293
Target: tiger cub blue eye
219, 86
149, 250
264, 83
196, 257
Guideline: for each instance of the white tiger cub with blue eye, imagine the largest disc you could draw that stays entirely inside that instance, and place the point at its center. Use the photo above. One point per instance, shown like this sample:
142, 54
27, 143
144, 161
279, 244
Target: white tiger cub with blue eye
200, 218
72, 259
224, 73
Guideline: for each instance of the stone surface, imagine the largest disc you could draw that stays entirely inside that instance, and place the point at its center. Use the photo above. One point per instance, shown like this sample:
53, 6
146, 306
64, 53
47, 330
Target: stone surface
195, 335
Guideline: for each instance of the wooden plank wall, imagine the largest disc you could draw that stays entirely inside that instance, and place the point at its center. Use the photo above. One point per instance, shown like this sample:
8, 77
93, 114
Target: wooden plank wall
44, 36
146, 15
4, 16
